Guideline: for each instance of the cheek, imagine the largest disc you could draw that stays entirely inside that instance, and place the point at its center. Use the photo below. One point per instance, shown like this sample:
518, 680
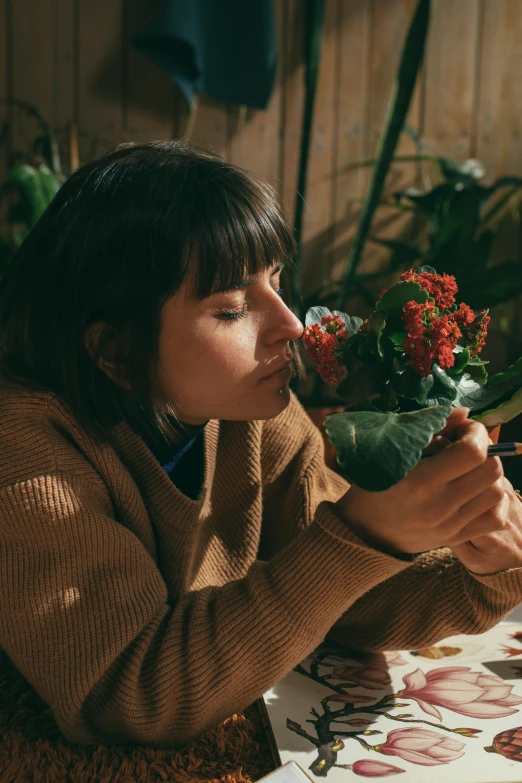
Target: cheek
227, 352
211, 355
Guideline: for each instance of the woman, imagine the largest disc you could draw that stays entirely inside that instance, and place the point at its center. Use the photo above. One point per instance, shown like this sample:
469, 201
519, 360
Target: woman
171, 543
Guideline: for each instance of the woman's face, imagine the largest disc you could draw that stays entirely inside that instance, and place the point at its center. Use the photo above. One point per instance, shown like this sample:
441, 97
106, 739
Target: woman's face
227, 356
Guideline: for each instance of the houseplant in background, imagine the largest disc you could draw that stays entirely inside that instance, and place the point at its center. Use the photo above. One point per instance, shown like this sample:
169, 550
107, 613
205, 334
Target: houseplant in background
454, 222
33, 180
455, 218
401, 371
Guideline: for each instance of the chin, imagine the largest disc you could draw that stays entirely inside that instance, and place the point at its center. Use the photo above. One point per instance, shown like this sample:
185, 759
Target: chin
275, 405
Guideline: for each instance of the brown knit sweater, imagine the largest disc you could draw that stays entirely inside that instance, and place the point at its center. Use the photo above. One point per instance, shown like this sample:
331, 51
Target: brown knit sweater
140, 615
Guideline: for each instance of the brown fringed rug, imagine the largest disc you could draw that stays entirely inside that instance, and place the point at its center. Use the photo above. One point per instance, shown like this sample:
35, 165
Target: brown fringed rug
32, 749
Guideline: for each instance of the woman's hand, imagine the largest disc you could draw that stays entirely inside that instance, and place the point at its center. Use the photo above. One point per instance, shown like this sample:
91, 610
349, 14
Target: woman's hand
501, 550
454, 497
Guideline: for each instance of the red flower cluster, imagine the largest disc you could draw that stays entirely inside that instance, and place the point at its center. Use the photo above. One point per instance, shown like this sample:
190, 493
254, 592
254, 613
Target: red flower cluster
476, 334
432, 338
322, 343
442, 288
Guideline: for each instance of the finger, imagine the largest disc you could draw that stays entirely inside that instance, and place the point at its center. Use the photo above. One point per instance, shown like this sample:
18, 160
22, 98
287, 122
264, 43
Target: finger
492, 521
437, 444
457, 459
466, 490
456, 419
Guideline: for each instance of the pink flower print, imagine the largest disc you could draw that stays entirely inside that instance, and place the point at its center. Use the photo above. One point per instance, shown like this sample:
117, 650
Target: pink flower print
394, 659
421, 746
371, 677
457, 688
374, 769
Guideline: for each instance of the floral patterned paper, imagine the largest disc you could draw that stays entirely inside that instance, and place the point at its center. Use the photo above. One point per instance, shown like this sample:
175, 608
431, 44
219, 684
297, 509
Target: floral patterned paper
451, 712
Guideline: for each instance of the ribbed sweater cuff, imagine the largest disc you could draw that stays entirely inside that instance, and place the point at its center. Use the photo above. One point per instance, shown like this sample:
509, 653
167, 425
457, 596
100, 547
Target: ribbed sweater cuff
328, 519
509, 581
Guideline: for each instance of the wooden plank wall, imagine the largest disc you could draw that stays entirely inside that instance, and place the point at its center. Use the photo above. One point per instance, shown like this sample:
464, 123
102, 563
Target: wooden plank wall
74, 60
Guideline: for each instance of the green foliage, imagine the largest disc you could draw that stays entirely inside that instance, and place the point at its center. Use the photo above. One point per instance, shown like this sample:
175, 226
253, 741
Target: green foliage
393, 409
376, 450
35, 185
399, 294
456, 216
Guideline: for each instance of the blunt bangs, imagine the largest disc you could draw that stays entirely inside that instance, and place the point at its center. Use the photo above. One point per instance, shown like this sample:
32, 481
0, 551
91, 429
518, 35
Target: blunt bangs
240, 231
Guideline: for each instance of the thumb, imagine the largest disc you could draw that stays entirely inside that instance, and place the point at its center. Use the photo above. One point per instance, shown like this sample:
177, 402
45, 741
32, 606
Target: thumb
455, 420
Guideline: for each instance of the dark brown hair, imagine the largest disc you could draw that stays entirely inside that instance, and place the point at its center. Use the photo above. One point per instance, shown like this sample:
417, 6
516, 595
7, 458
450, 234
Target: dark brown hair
113, 245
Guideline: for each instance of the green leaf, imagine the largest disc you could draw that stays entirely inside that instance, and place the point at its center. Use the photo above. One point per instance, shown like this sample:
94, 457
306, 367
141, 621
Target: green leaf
374, 331
400, 294
413, 386
397, 338
467, 390
316, 314
444, 386
476, 397
461, 360
376, 450
505, 412
425, 268
357, 387
477, 373
513, 371
49, 181
32, 196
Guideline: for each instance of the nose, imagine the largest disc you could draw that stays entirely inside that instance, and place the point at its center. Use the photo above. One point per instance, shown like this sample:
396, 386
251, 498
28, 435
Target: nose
283, 324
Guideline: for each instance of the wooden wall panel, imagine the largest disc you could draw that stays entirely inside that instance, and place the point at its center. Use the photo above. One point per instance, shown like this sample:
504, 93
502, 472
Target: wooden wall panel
100, 76
450, 82
390, 22
317, 237
32, 66
499, 115
351, 126
211, 129
255, 144
499, 142
149, 95
4, 75
292, 102
64, 75
74, 60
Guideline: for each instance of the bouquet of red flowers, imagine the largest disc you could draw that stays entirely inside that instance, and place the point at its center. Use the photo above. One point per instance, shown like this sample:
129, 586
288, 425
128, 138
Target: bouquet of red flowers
400, 372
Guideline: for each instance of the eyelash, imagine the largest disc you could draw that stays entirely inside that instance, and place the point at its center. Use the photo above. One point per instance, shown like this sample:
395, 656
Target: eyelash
235, 315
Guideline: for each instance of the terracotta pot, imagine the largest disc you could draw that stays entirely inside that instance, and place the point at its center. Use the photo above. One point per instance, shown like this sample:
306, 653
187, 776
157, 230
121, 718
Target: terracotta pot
494, 433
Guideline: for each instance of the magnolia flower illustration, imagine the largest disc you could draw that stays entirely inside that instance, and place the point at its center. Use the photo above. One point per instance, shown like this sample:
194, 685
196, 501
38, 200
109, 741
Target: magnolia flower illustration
371, 677
457, 688
374, 769
421, 746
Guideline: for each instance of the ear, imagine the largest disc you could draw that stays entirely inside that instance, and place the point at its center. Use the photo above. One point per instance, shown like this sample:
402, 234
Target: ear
91, 339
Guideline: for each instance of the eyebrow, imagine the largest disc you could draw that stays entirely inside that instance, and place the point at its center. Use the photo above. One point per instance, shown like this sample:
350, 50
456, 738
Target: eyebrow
246, 282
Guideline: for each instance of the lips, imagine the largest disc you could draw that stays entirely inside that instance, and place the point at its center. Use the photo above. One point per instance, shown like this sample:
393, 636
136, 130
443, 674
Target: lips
278, 369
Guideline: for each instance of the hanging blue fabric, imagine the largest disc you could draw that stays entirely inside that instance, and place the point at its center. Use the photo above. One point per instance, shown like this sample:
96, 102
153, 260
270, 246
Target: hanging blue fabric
225, 49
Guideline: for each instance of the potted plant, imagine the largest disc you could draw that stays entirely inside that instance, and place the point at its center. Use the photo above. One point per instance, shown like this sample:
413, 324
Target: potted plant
401, 371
